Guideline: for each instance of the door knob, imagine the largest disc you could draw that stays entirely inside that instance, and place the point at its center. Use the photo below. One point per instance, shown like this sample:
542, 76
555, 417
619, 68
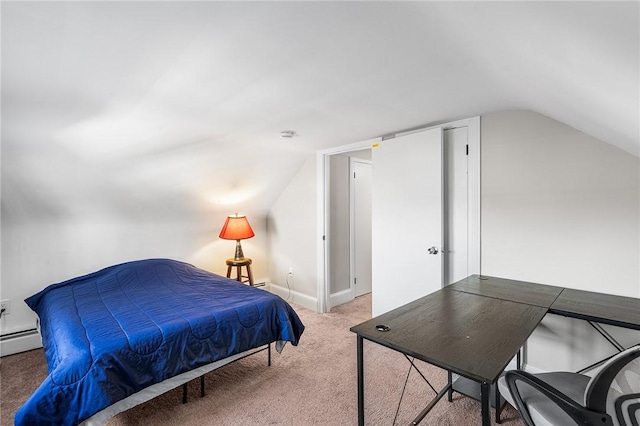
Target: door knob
433, 250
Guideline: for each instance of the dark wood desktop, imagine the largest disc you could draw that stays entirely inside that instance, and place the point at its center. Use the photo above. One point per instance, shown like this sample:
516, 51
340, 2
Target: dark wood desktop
475, 326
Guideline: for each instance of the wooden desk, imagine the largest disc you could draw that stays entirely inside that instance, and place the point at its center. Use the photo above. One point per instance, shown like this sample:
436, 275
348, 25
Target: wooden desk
467, 334
475, 327
598, 307
515, 291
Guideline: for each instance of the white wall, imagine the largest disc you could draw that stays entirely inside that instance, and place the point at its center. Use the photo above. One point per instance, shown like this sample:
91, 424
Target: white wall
292, 237
560, 207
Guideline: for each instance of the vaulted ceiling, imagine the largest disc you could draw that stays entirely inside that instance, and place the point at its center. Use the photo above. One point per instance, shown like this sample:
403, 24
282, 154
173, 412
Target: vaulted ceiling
133, 105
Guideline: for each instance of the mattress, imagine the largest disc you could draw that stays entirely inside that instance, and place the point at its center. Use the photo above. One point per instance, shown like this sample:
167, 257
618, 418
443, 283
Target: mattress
115, 332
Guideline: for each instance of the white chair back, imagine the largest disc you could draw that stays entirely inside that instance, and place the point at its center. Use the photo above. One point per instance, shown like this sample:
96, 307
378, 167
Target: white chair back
615, 389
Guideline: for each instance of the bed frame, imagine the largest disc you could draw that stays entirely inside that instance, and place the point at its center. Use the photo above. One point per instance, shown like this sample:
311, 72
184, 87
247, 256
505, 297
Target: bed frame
245, 354
147, 394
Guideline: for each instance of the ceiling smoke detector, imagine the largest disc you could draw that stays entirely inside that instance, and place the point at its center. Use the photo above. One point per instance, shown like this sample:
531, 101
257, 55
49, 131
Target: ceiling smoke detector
287, 134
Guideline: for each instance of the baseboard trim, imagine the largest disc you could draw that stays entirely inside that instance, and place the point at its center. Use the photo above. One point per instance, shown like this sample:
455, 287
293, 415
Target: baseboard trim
340, 297
20, 342
533, 370
294, 296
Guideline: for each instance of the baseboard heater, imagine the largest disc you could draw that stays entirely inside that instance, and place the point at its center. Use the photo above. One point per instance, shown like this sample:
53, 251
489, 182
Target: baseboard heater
19, 341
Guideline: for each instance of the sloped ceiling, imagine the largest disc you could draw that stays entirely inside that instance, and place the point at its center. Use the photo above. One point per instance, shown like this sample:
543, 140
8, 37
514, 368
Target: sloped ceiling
129, 106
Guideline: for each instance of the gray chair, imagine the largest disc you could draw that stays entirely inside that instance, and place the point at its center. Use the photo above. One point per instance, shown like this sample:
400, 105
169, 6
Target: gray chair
611, 397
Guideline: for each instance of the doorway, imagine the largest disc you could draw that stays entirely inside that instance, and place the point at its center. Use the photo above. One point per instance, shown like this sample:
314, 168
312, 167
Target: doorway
349, 225
471, 226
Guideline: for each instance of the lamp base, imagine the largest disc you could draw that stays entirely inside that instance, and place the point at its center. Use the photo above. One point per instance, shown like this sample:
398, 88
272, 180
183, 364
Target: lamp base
239, 254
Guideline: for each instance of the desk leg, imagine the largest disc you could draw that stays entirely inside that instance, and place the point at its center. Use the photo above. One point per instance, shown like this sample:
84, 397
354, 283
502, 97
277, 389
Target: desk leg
498, 405
484, 402
360, 382
450, 381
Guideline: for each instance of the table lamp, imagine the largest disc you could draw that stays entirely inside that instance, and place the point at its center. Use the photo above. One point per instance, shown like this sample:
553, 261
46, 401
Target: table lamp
237, 228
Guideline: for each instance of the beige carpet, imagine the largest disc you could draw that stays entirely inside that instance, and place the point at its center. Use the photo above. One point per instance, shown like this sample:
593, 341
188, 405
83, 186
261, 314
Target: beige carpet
311, 384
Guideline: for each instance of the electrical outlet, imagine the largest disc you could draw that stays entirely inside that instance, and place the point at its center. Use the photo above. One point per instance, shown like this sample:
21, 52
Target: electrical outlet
290, 270
6, 306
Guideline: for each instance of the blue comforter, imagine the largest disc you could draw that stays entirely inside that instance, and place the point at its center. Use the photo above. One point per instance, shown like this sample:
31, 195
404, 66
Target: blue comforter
111, 333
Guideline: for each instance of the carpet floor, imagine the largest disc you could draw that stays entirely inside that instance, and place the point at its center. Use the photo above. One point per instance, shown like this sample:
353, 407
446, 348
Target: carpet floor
311, 384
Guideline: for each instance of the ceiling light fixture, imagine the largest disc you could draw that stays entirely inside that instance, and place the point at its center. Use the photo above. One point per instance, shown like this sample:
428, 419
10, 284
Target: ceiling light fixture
288, 134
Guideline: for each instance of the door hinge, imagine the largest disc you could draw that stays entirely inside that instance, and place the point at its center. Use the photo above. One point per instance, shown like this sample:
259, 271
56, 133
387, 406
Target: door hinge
354, 175
324, 237
467, 149
355, 280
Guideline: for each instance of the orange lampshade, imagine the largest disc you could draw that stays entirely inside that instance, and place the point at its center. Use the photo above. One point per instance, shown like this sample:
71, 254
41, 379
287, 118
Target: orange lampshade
236, 228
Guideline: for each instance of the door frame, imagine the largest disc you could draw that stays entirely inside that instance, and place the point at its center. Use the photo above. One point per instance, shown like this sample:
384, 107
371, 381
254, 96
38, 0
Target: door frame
322, 191
474, 190
352, 221
322, 223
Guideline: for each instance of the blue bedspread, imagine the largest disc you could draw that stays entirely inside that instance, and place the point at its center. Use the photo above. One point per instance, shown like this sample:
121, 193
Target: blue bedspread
112, 333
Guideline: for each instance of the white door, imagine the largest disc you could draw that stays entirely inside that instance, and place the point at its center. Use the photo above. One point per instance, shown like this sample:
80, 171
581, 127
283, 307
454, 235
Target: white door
361, 226
406, 219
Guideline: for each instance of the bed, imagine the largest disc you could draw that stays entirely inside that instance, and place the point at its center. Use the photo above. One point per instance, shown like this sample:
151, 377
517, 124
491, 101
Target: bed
121, 335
